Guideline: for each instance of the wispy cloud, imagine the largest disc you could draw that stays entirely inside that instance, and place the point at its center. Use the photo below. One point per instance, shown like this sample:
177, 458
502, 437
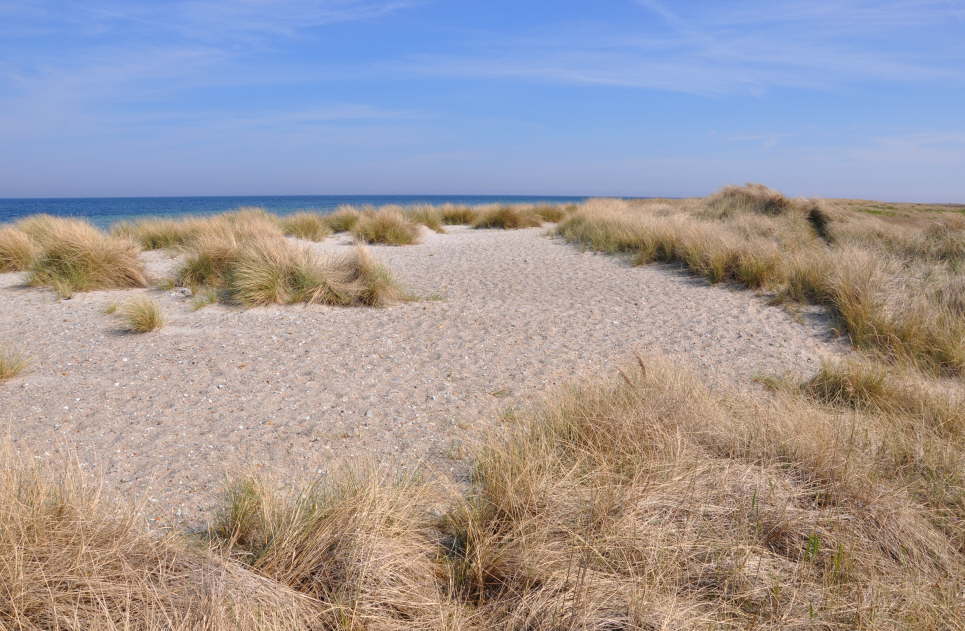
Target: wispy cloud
114, 54
749, 47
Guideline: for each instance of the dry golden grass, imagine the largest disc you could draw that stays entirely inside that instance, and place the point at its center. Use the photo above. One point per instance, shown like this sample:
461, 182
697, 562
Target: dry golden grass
343, 219
362, 544
12, 364
507, 218
652, 503
17, 250
894, 287
754, 198
70, 561
158, 234
141, 314
242, 257
264, 271
43, 229
642, 502
428, 216
209, 259
457, 214
74, 256
306, 225
552, 212
387, 226
879, 389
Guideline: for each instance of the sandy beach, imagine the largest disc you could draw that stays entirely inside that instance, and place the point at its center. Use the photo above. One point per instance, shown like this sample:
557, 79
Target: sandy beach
292, 390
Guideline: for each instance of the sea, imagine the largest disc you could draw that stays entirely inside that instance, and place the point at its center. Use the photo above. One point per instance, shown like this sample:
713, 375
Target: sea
105, 211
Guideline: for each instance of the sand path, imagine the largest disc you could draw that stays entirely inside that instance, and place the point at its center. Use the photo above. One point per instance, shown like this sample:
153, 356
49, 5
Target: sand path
295, 389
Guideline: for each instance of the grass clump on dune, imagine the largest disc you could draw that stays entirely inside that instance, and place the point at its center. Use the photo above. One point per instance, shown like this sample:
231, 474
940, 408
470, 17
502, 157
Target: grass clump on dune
267, 273
157, 234
141, 315
360, 544
650, 503
426, 215
457, 214
69, 560
209, 259
552, 213
753, 198
12, 364
875, 388
343, 219
17, 250
75, 256
386, 226
258, 271
507, 218
306, 225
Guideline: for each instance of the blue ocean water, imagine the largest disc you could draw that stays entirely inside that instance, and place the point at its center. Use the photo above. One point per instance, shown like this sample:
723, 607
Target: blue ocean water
104, 211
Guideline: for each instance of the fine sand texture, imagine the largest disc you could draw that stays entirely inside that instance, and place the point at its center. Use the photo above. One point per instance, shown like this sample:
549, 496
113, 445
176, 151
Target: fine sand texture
294, 390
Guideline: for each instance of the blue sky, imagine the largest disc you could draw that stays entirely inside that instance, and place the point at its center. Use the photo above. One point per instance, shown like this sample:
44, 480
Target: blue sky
595, 97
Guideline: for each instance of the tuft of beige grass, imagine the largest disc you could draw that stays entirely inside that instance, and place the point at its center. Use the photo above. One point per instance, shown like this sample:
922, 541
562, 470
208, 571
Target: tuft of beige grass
360, 543
507, 218
69, 560
75, 256
141, 314
12, 363
552, 212
269, 270
650, 502
387, 226
458, 214
429, 216
753, 198
343, 218
306, 225
17, 250
879, 389
158, 234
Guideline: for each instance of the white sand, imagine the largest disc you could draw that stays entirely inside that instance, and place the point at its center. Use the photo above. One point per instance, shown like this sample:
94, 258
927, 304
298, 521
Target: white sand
295, 389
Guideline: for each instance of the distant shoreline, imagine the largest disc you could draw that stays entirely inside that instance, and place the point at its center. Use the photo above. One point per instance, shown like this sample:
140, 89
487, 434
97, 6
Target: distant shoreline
104, 211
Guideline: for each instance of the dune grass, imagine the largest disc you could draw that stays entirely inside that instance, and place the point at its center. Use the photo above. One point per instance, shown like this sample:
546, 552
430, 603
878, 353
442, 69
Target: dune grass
457, 214
12, 363
343, 219
141, 314
69, 560
17, 250
652, 503
386, 226
243, 257
158, 234
268, 272
879, 389
507, 218
551, 212
426, 215
306, 225
647, 501
896, 296
74, 256
361, 545
753, 198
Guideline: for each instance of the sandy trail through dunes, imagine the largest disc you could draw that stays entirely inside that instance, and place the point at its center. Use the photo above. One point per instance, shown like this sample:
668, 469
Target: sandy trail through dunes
295, 389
